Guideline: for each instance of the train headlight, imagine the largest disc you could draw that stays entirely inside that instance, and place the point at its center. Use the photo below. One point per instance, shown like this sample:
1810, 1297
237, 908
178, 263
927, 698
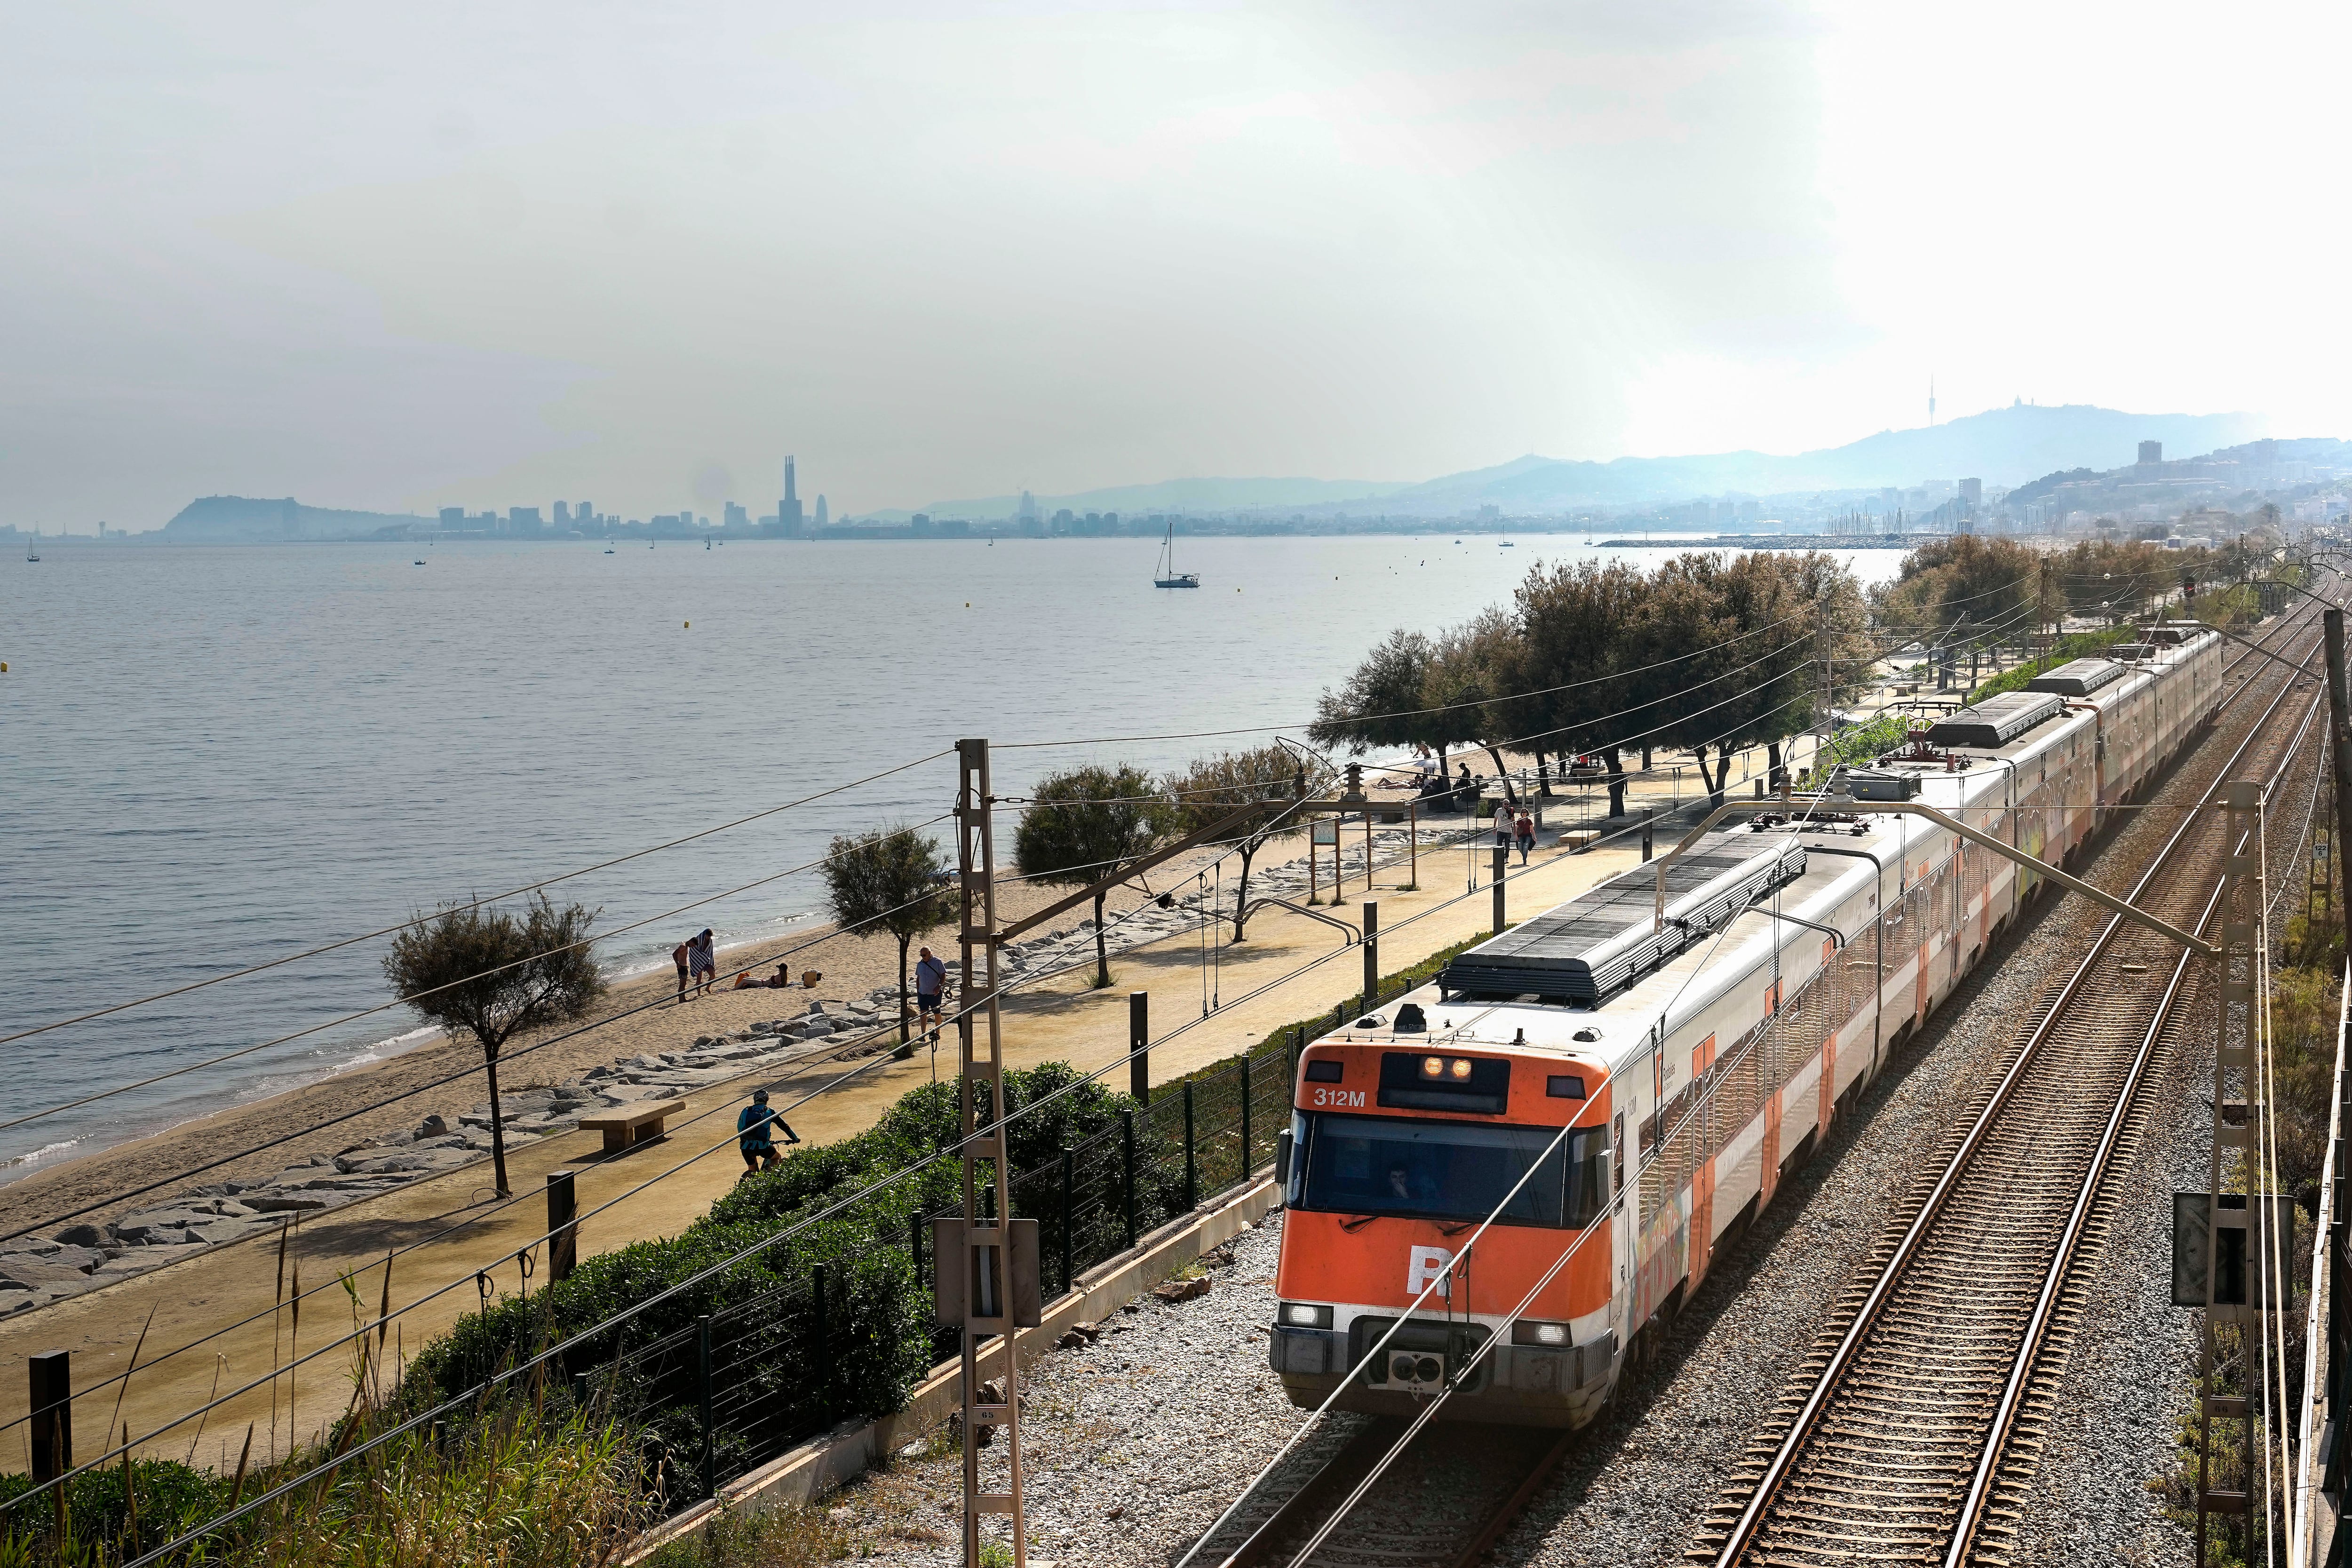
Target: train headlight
1461, 1067
1432, 1067
1443, 1067
1524, 1332
1306, 1315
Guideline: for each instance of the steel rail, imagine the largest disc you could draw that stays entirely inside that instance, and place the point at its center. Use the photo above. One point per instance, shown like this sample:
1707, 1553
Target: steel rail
1345, 1469
2014, 1389
1744, 1528
2062, 1263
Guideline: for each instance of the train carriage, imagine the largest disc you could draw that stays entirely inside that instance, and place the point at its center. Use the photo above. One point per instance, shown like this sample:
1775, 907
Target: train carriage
1653, 1082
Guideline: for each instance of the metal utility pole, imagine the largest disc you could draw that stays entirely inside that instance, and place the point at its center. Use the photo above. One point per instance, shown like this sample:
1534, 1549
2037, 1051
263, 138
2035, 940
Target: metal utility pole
2339, 736
2234, 1127
1824, 721
986, 1251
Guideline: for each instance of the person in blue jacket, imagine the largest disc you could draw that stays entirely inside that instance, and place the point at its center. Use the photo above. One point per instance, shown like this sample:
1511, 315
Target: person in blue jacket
755, 1132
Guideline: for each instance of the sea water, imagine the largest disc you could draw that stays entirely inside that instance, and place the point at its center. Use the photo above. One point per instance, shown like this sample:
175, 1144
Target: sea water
213, 757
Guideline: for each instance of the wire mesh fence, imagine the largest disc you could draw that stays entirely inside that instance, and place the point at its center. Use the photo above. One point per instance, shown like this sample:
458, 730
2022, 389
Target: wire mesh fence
833, 1340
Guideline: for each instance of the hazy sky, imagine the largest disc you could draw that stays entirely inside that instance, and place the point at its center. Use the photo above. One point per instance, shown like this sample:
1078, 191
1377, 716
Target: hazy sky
407, 256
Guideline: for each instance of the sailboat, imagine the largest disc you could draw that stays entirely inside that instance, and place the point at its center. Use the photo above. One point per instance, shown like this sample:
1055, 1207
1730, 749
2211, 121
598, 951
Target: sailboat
33, 548
1168, 577
608, 546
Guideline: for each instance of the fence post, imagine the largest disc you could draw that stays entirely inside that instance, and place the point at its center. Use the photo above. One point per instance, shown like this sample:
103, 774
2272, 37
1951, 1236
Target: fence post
1646, 816
1070, 1275
915, 1244
820, 1346
1248, 1162
563, 1232
1501, 866
1139, 1045
51, 1374
1126, 1171
1372, 954
1192, 1167
702, 1359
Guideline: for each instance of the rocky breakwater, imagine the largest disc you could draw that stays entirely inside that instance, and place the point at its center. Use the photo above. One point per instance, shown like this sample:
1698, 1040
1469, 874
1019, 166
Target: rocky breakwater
37, 1270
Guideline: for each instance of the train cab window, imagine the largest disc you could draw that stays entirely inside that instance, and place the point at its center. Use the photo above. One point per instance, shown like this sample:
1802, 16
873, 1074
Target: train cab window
1404, 1167
1325, 1071
1564, 1086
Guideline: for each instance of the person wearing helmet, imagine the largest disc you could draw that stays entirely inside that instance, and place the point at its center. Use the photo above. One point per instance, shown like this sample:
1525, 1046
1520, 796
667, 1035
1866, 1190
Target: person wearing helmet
755, 1132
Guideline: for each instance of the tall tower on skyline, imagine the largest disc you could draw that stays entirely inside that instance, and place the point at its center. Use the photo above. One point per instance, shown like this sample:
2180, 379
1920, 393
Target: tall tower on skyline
788, 510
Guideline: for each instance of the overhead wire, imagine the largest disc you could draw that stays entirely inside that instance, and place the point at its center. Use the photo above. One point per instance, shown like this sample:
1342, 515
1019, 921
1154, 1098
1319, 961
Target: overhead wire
285, 958
981, 1133
1282, 980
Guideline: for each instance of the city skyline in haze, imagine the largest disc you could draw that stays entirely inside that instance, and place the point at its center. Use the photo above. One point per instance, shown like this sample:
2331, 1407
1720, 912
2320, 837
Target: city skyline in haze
403, 263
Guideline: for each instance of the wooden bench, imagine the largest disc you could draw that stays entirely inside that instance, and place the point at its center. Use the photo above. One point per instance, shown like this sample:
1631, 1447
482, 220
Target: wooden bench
625, 1128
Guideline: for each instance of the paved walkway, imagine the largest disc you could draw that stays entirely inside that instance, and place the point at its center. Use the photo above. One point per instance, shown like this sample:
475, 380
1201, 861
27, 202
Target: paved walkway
1058, 1020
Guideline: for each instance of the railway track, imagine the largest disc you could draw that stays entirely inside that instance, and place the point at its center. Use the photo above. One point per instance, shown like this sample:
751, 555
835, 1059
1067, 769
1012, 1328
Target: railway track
1915, 1425
1443, 1502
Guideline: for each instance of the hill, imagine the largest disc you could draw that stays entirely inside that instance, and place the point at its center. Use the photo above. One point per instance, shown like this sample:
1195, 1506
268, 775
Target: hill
2002, 447
224, 519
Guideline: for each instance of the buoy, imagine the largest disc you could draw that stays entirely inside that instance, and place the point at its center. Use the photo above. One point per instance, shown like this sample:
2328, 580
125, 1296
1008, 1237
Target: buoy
689, 626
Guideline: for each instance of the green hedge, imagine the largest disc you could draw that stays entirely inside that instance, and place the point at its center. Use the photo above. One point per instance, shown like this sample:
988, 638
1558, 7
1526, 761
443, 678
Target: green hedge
773, 1383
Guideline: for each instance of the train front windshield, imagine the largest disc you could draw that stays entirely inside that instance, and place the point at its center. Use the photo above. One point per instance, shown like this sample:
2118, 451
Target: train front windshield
1394, 1165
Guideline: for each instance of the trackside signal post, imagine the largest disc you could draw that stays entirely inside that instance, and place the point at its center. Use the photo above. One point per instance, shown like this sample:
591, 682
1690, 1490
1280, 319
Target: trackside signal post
2237, 1239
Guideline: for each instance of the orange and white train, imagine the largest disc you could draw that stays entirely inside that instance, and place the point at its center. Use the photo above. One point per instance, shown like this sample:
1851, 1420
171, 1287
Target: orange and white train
1695, 1062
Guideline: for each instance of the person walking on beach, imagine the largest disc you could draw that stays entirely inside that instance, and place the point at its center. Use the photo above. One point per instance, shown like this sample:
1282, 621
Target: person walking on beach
679, 955
930, 991
1524, 828
755, 1134
702, 956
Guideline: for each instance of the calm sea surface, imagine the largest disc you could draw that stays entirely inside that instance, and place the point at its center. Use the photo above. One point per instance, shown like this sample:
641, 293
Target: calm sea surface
213, 757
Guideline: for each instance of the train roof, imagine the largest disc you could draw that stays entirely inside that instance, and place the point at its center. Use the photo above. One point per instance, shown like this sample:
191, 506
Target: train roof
1590, 947
1822, 867
1996, 721
2077, 678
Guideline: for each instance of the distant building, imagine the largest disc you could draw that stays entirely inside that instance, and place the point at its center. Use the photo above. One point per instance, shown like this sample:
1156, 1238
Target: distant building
582, 514
523, 520
921, 523
1028, 506
563, 514
737, 517
788, 510
453, 518
823, 518
2151, 452
1972, 493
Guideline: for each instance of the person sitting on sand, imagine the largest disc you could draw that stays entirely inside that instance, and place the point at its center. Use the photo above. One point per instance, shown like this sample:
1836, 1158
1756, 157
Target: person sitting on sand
754, 1136
781, 981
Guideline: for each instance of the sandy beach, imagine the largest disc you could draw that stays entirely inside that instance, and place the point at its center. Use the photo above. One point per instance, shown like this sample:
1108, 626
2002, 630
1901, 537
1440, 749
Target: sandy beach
216, 1301
637, 1015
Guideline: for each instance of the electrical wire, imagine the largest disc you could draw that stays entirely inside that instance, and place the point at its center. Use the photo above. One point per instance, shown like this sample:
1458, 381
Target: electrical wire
115, 1008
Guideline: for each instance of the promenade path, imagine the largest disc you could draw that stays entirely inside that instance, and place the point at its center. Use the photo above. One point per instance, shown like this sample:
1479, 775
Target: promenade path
1059, 1019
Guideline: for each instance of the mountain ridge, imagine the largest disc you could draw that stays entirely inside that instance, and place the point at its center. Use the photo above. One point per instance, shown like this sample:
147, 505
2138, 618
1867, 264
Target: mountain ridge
2002, 447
